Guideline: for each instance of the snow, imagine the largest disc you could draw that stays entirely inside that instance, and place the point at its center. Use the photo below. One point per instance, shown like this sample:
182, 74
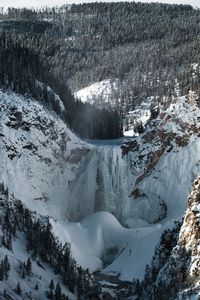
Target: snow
46, 171
86, 188
141, 114
106, 94
167, 179
101, 231
40, 276
129, 133
100, 93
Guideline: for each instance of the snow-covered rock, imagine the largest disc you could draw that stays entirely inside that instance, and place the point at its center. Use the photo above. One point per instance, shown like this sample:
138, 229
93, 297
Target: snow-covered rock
140, 116
177, 275
39, 155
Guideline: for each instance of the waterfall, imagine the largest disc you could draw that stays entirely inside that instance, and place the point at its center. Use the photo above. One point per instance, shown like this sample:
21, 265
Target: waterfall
103, 184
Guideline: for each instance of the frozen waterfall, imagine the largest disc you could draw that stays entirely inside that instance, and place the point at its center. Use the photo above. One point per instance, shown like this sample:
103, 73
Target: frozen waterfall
103, 183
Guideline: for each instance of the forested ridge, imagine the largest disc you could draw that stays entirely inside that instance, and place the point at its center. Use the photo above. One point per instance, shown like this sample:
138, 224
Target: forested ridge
152, 49
24, 71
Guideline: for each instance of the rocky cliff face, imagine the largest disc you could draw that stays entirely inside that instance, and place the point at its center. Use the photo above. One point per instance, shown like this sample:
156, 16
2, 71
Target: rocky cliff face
188, 246
175, 268
189, 238
165, 160
40, 156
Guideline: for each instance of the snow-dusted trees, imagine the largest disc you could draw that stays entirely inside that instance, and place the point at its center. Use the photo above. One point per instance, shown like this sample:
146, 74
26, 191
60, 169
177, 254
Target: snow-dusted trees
87, 43
18, 289
51, 285
24, 70
26, 268
4, 268
42, 244
153, 285
58, 292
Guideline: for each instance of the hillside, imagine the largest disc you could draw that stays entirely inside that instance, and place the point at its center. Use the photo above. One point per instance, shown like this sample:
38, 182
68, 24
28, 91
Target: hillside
151, 49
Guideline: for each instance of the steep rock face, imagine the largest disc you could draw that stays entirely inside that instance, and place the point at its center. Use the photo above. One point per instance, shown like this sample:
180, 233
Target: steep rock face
39, 155
179, 276
165, 159
188, 247
190, 235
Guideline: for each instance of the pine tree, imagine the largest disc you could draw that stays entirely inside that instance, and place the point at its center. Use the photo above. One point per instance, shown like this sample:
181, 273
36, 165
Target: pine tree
80, 287
28, 267
6, 266
51, 295
1, 271
51, 285
138, 288
58, 292
72, 277
4, 240
18, 289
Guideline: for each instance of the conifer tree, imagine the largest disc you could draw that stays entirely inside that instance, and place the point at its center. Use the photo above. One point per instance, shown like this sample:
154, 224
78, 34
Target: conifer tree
6, 266
58, 292
51, 285
1, 271
28, 267
18, 289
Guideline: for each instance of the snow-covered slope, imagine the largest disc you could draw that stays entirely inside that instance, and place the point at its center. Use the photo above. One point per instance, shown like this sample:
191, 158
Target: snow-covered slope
103, 94
33, 287
39, 155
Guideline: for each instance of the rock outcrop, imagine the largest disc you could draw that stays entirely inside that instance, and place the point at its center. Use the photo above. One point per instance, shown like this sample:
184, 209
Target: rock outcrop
179, 276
